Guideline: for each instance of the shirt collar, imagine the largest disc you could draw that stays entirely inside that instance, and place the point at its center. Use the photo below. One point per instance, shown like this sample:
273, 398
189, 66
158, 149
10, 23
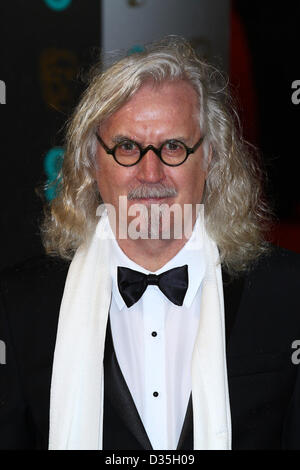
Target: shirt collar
191, 253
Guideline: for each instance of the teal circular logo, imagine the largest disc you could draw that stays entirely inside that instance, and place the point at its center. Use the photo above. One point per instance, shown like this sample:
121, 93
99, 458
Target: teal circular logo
58, 5
136, 48
52, 165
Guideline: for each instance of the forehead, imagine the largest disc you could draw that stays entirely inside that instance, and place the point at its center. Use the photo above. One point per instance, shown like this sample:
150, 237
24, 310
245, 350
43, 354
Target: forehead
170, 92
164, 105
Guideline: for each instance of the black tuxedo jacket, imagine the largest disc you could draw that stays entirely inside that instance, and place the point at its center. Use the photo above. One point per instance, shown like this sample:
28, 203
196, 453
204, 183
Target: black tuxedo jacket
262, 319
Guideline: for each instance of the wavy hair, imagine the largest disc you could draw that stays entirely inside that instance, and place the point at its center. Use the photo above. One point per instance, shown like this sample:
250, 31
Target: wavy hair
236, 213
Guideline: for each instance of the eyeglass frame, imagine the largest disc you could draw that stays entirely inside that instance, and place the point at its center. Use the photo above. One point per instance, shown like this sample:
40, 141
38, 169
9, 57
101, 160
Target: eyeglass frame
143, 151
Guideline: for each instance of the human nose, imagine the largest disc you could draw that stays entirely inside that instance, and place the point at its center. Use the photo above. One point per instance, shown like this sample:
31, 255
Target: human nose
150, 168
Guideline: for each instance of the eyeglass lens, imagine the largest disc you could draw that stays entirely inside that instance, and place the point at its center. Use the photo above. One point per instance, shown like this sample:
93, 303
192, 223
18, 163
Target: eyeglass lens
172, 152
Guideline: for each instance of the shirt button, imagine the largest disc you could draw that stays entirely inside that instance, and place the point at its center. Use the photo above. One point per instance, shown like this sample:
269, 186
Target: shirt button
154, 333
155, 394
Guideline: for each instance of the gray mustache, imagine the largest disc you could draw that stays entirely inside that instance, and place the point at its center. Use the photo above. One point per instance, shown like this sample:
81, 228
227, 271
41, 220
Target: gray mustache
151, 191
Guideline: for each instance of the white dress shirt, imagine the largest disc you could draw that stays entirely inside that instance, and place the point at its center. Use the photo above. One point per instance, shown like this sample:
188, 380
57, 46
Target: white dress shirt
154, 340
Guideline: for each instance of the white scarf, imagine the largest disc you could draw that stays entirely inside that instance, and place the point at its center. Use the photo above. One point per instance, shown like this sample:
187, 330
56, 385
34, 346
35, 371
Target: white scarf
76, 399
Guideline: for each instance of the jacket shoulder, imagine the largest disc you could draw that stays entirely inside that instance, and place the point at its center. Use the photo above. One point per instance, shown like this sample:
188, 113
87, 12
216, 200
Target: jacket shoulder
30, 298
268, 318
34, 272
277, 267
34, 283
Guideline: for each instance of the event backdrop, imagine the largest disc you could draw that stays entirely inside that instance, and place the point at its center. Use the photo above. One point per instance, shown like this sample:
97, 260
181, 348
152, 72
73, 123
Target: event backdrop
44, 46
265, 69
128, 24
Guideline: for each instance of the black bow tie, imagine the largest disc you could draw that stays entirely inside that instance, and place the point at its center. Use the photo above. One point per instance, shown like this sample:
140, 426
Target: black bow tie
173, 283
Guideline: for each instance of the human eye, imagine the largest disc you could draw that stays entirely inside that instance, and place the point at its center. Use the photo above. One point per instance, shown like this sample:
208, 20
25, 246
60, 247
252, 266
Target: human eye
127, 147
173, 146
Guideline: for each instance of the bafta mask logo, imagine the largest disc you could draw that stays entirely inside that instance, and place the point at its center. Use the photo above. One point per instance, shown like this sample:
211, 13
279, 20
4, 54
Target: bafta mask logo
58, 69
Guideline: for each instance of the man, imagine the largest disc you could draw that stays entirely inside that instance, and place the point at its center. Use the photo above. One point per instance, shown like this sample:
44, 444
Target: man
172, 327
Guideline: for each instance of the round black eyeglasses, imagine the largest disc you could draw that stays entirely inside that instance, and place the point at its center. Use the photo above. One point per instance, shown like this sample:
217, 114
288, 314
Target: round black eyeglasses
127, 152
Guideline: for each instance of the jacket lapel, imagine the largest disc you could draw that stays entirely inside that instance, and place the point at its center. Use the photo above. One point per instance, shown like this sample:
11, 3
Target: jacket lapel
186, 437
117, 392
233, 290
